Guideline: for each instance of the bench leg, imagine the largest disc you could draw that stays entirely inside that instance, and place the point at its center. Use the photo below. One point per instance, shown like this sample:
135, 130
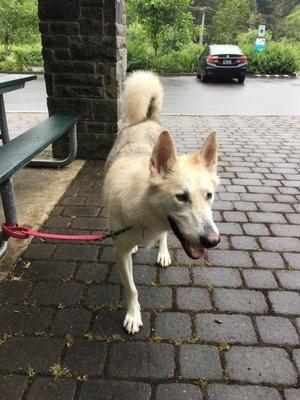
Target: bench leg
3, 122
10, 211
59, 163
3, 247
6, 188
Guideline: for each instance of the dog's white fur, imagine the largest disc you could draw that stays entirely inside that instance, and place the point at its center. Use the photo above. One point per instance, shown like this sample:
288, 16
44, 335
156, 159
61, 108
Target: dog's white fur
145, 182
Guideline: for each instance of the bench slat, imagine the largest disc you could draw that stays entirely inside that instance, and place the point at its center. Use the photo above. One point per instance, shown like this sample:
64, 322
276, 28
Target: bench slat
21, 150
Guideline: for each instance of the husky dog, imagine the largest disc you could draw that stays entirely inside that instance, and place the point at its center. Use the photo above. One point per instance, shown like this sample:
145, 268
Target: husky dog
151, 190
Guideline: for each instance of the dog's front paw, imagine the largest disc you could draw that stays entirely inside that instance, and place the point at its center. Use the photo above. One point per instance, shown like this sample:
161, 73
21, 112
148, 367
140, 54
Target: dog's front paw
163, 257
133, 321
134, 250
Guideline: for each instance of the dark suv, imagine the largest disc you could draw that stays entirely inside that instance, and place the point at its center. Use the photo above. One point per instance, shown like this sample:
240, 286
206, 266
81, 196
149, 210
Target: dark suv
222, 60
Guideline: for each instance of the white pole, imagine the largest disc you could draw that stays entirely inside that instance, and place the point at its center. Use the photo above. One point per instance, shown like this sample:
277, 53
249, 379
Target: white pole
202, 26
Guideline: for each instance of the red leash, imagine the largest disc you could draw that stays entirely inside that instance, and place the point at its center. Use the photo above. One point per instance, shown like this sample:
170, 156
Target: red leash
20, 232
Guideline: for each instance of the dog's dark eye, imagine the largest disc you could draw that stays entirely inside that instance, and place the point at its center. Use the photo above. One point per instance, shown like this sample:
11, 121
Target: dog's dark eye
184, 197
209, 196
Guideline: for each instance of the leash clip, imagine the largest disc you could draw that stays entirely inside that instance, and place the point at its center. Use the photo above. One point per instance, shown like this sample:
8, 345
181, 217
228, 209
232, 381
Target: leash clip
17, 232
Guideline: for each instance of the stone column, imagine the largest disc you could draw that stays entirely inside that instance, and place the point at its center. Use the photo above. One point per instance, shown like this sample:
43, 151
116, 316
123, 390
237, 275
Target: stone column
85, 63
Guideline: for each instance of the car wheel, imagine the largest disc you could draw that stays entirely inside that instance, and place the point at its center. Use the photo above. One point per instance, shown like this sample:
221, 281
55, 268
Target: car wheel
203, 77
198, 75
241, 79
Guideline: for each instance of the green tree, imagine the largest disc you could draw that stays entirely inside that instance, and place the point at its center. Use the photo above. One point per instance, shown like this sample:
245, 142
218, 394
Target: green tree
212, 7
232, 18
180, 35
139, 50
291, 25
157, 16
279, 9
18, 22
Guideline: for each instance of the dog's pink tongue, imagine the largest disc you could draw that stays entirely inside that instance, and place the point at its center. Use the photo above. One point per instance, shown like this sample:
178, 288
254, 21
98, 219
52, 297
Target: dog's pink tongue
194, 251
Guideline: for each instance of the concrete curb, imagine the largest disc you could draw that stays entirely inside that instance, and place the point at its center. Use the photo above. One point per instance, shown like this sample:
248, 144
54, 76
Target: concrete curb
175, 74
274, 76
23, 72
271, 76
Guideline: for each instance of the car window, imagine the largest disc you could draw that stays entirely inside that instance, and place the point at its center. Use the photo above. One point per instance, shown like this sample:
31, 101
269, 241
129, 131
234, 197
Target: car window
225, 49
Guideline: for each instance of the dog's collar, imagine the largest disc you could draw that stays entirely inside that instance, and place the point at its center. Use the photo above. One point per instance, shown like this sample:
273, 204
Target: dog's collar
113, 234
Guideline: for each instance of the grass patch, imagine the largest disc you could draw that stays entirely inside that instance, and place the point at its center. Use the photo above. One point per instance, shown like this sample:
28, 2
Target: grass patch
156, 339
202, 383
4, 337
31, 373
59, 372
81, 378
69, 340
224, 346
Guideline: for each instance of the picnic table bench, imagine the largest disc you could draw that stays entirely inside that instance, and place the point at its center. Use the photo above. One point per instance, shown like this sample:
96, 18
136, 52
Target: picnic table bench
21, 151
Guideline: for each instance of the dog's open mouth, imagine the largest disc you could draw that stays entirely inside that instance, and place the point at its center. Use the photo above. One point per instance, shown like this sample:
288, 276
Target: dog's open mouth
192, 250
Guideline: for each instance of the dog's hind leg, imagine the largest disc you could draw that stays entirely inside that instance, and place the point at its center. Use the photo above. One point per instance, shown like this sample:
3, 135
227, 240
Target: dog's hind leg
163, 257
133, 320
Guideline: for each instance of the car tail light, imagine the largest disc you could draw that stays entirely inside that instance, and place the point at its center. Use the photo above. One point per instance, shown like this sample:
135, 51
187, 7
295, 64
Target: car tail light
211, 58
242, 59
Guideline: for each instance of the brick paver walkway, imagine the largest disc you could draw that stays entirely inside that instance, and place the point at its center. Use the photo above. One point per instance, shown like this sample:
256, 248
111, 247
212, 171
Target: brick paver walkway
222, 329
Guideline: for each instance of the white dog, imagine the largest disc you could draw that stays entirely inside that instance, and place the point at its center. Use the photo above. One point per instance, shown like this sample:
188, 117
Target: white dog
151, 190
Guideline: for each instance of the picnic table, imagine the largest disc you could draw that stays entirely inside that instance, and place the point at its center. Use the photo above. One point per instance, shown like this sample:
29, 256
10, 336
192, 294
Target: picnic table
20, 151
8, 83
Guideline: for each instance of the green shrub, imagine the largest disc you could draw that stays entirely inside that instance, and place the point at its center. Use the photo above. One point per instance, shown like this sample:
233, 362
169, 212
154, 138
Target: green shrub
250, 36
139, 51
293, 48
276, 59
32, 54
139, 57
184, 60
21, 58
9, 63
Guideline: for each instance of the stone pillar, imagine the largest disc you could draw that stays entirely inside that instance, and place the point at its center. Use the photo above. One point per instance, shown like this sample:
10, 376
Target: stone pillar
85, 63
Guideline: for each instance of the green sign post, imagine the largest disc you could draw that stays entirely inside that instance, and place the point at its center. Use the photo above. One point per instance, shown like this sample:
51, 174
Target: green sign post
260, 43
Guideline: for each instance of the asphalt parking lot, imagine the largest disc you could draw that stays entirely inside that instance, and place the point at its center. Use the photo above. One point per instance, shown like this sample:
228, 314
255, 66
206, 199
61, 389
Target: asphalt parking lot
188, 96
257, 96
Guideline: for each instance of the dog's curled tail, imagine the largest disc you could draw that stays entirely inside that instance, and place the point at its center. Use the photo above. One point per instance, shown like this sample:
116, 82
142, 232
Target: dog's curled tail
142, 98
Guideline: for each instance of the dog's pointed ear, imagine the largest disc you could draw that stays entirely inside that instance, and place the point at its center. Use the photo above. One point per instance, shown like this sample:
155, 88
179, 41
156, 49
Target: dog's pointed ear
208, 153
163, 154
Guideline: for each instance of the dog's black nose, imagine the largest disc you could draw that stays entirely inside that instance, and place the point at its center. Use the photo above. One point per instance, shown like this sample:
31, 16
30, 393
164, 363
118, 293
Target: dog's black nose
210, 240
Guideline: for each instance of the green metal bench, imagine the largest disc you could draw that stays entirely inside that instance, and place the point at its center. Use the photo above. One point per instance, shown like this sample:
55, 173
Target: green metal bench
21, 151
